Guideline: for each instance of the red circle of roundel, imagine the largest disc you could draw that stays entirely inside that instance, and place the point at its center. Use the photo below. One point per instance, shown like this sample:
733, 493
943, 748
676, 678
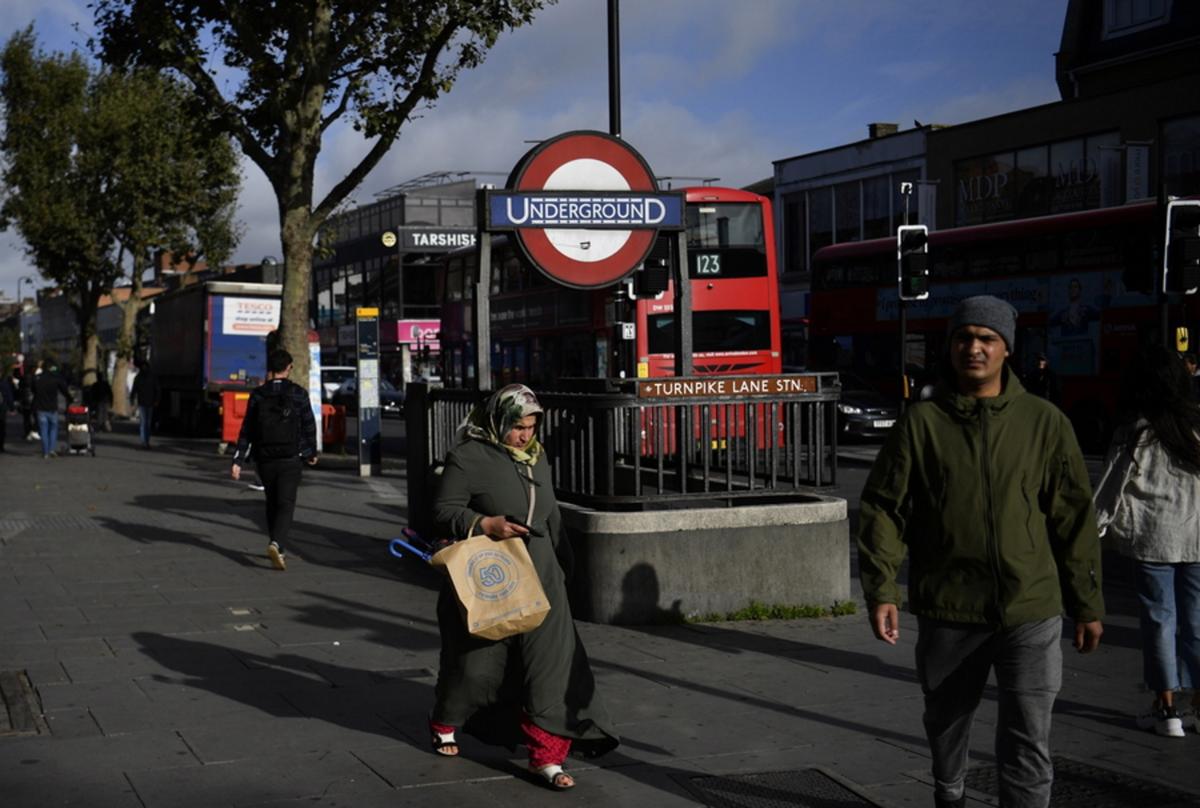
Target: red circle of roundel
543, 161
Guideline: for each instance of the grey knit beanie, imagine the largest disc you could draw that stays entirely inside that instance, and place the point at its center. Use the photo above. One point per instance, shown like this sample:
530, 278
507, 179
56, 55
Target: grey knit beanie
989, 312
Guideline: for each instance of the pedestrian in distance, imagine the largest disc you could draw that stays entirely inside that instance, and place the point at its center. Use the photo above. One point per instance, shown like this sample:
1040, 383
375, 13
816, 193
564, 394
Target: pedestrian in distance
145, 392
25, 401
99, 399
279, 434
535, 687
47, 387
1148, 509
985, 488
1043, 381
8, 402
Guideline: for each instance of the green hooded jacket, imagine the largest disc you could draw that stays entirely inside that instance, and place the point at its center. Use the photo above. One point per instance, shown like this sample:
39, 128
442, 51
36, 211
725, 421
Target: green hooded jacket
991, 499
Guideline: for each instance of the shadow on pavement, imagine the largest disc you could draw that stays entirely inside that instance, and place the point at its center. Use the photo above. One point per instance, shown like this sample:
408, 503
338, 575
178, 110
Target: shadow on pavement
151, 534
287, 685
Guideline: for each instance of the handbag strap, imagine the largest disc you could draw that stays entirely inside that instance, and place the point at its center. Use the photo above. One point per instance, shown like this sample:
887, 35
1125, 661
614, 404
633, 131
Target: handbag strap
474, 523
532, 495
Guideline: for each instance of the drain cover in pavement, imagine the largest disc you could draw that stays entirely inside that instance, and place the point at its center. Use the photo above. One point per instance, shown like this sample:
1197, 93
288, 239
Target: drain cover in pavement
22, 715
1079, 785
799, 788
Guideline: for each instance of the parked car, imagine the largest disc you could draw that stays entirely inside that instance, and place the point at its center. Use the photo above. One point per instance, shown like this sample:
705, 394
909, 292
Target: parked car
391, 399
332, 378
862, 411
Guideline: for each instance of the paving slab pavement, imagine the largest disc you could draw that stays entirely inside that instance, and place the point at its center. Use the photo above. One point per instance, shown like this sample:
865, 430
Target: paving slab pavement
175, 668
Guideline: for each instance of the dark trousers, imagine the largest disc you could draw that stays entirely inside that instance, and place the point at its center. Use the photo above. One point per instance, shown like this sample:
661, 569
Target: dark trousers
280, 480
953, 662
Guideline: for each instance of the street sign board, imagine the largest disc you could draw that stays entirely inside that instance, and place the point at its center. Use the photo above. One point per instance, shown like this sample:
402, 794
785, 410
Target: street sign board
585, 209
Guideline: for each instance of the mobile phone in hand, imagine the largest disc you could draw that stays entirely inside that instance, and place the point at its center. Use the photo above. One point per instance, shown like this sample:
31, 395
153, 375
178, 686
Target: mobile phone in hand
512, 520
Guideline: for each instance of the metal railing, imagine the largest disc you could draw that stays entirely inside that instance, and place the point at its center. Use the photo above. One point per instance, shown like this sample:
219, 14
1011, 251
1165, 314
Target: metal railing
615, 451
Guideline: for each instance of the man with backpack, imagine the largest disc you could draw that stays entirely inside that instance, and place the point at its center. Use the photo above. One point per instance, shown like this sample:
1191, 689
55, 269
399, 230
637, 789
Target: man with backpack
280, 434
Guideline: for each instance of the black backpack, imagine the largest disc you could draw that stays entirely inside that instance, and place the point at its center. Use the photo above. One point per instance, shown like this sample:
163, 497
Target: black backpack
278, 426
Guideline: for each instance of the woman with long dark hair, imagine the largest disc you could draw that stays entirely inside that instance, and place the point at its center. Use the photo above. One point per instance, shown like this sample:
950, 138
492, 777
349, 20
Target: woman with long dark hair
1148, 508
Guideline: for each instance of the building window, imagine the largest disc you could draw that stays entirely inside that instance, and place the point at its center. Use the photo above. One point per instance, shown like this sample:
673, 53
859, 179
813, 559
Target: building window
793, 233
876, 209
848, 216
820, 220
1181, 156
1123, 17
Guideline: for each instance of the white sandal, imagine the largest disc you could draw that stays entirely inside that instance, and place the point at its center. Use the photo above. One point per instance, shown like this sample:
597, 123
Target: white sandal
555, 776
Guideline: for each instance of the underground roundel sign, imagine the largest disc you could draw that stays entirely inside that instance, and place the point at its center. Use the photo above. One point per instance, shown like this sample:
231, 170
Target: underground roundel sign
585, 209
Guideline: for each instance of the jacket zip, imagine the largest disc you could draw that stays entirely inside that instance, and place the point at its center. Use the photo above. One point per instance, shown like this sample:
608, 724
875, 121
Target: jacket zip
993, 543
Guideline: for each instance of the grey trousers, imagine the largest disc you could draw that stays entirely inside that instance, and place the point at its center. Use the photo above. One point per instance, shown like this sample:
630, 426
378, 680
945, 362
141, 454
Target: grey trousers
953, 663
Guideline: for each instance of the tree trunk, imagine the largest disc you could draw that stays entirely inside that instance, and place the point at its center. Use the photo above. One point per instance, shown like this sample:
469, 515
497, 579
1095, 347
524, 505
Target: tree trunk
89, 343
125, 344
293, 316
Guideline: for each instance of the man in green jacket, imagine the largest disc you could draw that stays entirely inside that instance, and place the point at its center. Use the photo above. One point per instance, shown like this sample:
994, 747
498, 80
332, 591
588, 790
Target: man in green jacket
985, 488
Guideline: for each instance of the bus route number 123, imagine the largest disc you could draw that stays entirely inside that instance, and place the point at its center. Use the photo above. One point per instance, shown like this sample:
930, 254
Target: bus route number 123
708, 264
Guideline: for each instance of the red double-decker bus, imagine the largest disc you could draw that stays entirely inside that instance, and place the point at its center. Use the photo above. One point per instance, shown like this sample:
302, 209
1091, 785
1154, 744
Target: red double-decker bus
542, 332
1072, 277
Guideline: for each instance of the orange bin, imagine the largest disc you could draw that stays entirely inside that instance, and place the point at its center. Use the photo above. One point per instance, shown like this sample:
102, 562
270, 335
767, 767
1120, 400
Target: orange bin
333, 425
233, 412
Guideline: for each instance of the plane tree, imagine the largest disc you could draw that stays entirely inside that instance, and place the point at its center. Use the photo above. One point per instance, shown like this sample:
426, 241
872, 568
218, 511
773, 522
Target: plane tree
279, 76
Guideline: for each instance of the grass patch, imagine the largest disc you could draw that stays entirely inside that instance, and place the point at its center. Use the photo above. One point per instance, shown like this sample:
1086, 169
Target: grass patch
778, 611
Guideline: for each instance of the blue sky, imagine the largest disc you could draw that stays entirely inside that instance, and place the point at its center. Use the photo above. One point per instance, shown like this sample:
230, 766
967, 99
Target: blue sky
710, 88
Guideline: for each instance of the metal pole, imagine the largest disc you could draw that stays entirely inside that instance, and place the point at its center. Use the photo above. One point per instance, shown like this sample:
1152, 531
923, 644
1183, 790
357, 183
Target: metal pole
683, 308
903, 354
614, 68
483, 299
904, 325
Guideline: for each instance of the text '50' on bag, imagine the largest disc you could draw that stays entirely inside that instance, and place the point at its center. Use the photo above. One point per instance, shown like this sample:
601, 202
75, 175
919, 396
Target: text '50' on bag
498, 588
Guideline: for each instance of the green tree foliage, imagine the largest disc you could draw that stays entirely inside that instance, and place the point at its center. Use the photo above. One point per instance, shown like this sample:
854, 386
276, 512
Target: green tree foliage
103, 171
172, 182
54, 187
279, 75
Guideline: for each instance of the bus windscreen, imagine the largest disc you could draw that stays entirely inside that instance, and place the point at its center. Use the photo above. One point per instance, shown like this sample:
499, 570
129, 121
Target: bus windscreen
713, 332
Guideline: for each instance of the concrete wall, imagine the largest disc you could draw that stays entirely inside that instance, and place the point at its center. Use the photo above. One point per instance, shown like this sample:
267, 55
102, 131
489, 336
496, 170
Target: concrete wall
661, 566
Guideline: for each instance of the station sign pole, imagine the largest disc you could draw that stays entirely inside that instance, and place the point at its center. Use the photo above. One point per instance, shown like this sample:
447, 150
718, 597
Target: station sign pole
370, 455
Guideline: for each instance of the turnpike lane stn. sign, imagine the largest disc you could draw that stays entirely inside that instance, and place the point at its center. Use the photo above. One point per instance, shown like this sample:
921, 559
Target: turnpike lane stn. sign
727, 386
585, 209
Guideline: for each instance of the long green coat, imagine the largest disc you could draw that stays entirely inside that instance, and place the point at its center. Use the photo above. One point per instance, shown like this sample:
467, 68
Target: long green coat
484, 685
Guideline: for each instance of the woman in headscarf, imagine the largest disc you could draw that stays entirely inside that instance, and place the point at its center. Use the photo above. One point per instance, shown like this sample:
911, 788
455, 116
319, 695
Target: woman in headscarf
535, 688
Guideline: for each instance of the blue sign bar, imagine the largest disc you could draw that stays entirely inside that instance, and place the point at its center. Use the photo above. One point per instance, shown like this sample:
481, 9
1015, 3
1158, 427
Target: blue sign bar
589, 210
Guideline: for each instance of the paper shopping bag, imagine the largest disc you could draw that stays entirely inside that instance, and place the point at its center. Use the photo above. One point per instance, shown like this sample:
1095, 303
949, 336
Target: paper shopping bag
498, 588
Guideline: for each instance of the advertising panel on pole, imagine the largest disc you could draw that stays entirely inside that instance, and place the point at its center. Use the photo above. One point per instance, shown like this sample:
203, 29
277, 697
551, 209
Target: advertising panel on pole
585, 209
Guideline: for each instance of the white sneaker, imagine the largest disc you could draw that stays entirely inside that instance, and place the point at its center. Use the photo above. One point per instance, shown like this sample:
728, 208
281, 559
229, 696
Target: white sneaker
1165, 721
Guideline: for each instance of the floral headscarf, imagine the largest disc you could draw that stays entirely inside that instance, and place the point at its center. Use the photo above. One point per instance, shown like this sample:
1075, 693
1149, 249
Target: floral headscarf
493, 419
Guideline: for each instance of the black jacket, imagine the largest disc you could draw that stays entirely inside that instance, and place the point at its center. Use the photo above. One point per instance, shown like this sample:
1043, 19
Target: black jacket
8, 392
308, 425
145, 388
46, 388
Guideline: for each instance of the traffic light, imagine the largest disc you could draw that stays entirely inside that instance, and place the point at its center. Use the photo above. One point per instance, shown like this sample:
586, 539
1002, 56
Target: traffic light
1181, 247
651, 279
912, 261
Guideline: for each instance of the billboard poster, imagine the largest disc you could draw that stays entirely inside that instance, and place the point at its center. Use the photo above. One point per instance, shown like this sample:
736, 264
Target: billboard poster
249, 315
1073, 303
